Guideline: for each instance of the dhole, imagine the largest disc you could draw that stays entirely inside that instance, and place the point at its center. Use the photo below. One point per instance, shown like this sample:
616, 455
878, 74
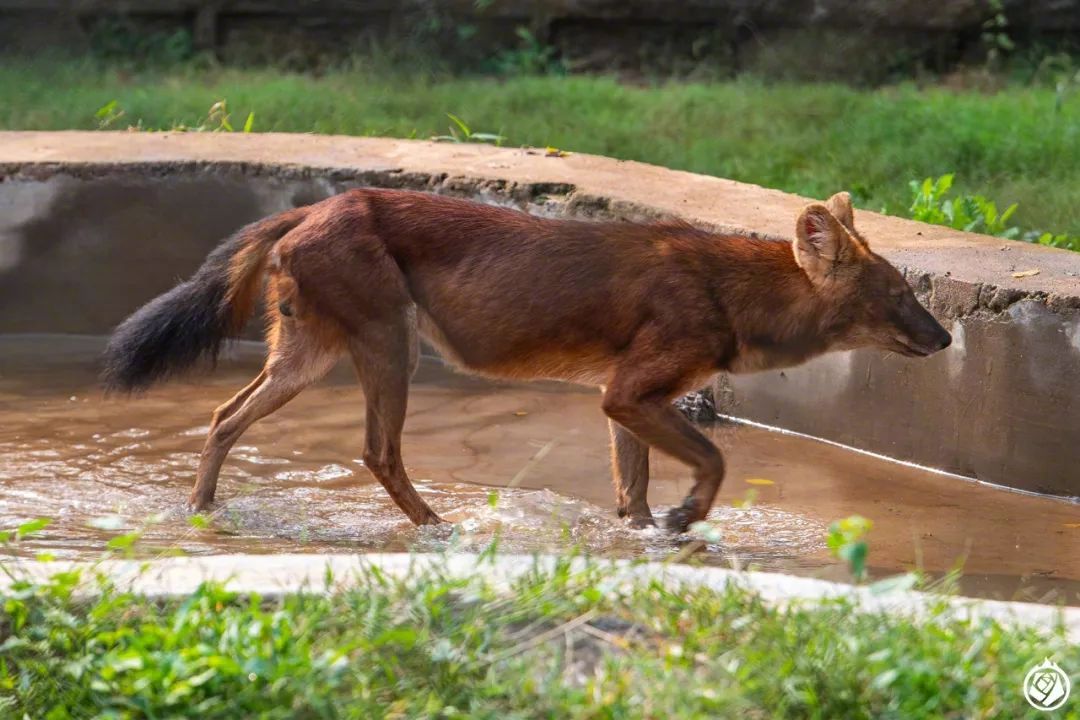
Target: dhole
646, 312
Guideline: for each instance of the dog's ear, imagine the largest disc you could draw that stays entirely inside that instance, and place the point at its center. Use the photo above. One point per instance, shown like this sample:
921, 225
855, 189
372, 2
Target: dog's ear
822, 243
840, 206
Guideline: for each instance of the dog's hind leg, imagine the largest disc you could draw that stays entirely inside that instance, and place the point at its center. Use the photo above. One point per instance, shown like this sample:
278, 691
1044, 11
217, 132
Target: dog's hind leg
297, 360
233, 404
385, 353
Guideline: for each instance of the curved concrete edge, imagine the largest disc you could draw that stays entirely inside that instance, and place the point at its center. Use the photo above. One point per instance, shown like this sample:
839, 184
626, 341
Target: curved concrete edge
275, 575
589, 184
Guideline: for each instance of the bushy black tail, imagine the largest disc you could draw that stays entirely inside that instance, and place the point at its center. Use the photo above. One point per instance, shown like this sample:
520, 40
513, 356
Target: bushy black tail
189, 323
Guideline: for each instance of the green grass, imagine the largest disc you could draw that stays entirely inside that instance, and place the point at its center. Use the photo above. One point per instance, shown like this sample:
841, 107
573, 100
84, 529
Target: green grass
1012, 147
558, 644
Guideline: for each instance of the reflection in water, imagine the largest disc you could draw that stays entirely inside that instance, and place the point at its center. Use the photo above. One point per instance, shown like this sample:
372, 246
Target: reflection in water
294, 483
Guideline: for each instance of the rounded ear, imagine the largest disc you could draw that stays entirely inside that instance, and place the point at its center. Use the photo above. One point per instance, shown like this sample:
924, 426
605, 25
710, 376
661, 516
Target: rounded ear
840, 206
821, 242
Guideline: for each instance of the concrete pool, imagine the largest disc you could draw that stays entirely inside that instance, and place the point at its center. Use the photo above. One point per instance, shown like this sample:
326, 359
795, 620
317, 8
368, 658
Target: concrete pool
94, 224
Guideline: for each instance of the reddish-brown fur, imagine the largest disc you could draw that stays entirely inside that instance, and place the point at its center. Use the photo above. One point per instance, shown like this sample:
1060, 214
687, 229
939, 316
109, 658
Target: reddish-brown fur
647, 312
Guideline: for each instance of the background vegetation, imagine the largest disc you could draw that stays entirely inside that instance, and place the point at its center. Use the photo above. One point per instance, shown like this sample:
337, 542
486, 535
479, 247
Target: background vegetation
1019, 144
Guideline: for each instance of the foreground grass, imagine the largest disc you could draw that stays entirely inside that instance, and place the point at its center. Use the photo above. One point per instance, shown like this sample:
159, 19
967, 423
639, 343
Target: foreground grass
558, 644
1013, 146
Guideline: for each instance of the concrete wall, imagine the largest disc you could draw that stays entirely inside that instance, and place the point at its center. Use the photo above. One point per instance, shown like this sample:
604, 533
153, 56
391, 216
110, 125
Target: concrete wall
92, 224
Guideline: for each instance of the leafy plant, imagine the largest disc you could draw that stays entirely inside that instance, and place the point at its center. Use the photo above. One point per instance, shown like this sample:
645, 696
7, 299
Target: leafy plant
1066, 242
974, 213
845, 542
217, 119
108, 114
995, 34
970, 213
25, 530
119, 39
459, 132
531, 57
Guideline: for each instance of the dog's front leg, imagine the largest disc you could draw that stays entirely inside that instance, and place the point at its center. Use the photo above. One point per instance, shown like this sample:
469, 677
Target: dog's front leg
630, 476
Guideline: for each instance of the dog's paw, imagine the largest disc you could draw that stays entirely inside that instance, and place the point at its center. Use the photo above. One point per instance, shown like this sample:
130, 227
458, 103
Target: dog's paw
195, 506
640, 522
431, 518
679, 519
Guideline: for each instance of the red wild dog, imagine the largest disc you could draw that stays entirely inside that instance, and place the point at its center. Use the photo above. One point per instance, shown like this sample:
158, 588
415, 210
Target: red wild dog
646, 312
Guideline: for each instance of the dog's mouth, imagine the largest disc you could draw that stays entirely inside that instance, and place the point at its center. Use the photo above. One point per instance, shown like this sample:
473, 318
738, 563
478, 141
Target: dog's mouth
910, 348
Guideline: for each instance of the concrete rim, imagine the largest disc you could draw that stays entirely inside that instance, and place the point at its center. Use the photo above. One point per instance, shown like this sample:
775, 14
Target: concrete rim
588, 184
275, 575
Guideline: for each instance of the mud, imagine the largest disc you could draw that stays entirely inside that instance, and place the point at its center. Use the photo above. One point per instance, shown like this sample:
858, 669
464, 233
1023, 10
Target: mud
523, 465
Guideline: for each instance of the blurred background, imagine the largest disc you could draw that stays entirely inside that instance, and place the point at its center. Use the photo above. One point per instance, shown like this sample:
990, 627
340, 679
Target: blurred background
958, 112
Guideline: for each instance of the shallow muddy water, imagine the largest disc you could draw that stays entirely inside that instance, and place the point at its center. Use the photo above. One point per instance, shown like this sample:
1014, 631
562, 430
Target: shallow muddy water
527, 464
